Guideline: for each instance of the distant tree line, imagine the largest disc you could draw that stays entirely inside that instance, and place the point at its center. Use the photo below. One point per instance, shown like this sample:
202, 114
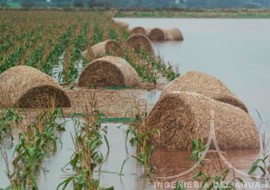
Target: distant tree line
145, 3
227, 3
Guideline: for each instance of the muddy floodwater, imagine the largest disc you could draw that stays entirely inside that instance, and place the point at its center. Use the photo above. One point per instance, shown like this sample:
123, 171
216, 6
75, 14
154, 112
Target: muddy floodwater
235, 51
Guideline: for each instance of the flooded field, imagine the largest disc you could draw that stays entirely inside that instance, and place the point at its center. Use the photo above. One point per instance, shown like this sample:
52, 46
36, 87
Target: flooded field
235, 51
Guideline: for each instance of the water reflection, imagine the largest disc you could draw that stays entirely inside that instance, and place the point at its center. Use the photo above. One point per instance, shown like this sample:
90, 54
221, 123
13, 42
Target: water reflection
234, 50
168, 163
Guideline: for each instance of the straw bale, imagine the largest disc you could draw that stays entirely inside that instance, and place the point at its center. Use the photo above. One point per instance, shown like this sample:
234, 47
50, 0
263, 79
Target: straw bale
27, 87
140, 30
205, 84
108, 47
139, 42
109, 71
183, 116
158, 34
121, 24
174, 34
88, 53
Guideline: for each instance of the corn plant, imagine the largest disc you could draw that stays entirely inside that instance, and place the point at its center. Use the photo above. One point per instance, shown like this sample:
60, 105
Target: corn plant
57, 50
125, 34
86, 157
11, 61
144, 71
98, 33
263, 163
142, 140
36, 141
35, 58
80, 43
8, 118
27, 41
112, 33
6, 42
159, 65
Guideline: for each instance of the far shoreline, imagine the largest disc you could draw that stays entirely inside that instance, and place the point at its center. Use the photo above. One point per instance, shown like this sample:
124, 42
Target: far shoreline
194, 13
240, 13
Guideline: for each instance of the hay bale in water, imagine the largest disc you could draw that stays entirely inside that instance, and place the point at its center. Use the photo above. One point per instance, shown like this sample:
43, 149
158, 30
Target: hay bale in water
121, 24
140, 30
109, 71
183, 116
158, 34
27, 87
207, 85
108, 47
139, 42
174, 34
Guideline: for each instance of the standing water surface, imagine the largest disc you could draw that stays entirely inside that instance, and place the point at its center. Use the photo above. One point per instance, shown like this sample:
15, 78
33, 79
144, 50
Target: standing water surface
235, 51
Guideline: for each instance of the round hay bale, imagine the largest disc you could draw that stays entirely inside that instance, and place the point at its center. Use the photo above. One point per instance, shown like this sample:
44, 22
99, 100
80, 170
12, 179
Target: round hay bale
108, 47
121, 24
140, 30
88, 53
183, 116
109, 71
157, 34
174, 34
27, 87
139, 42
205, 84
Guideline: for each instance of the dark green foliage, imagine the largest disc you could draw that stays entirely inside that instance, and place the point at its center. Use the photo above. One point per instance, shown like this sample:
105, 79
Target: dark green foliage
57, 50
98, 33
142, 140
112, 33
86, 157
8, 118
37, 141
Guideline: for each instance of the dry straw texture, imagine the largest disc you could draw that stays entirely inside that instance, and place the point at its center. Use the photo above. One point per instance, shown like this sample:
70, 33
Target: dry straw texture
158, 34
88, 53
121, 24
108, 47
174, 34
204, 84
109, 71
27, 87
140, 42
183, 116
140, 30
